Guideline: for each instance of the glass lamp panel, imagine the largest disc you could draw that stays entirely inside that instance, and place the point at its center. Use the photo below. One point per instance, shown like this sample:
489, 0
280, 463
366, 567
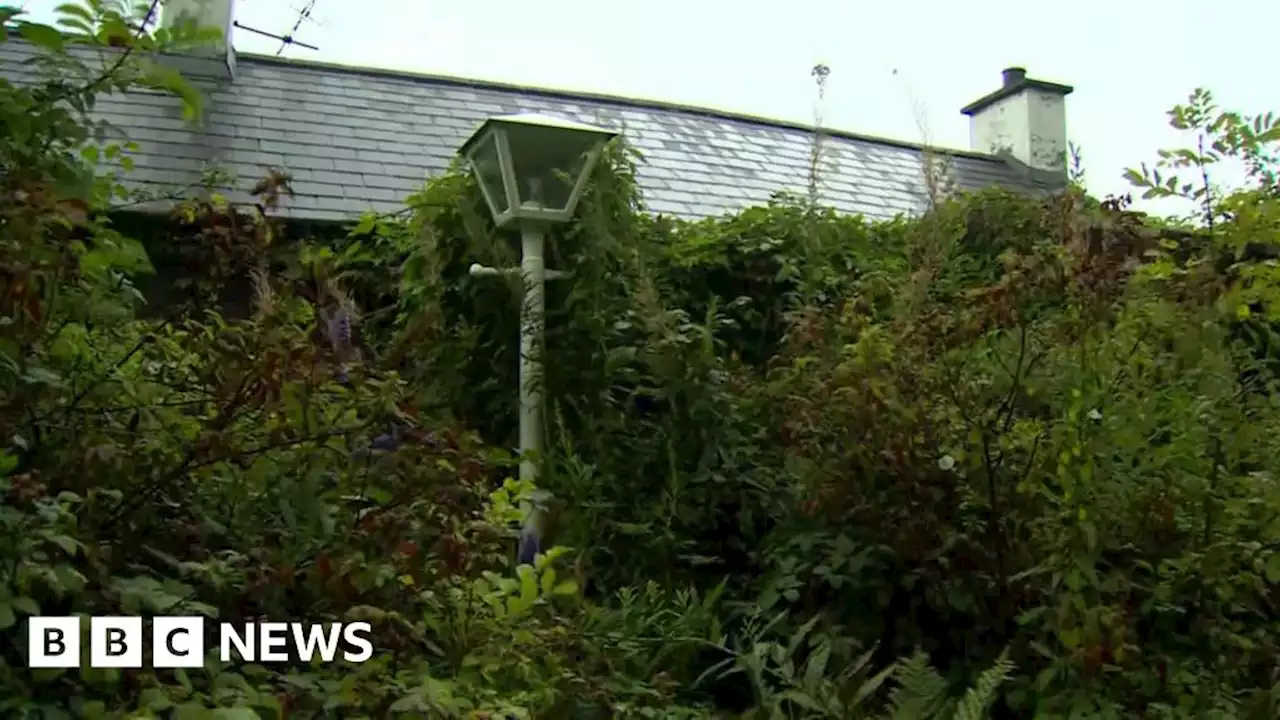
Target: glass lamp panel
548, 161
488, 169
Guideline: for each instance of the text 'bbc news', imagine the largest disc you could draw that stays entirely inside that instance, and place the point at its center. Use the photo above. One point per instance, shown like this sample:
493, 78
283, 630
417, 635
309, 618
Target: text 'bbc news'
179, 642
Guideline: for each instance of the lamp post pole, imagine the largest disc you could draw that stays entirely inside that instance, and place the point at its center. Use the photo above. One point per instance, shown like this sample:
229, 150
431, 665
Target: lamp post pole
533, 311
532, 317
534, 274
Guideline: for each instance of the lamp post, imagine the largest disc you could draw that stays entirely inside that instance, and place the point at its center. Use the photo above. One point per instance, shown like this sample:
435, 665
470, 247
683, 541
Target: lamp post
532, 170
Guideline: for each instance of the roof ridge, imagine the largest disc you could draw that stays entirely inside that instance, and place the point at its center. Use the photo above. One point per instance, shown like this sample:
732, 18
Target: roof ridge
608, 98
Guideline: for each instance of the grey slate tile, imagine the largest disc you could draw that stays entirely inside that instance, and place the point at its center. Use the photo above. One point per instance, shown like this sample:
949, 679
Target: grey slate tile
378, 194
668, 207
326, 190
393, 183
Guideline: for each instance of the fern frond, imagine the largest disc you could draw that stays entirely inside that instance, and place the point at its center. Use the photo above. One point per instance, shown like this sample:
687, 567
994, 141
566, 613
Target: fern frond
920, 693
976, 702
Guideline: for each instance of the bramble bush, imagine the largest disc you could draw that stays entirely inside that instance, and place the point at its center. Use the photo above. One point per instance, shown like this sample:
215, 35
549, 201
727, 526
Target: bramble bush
1015, 458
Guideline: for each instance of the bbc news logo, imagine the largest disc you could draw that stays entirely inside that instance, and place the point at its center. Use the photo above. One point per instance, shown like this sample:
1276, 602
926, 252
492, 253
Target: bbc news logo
179, 642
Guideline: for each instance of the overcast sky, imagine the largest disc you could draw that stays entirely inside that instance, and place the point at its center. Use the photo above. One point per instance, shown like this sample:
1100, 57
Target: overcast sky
899, 68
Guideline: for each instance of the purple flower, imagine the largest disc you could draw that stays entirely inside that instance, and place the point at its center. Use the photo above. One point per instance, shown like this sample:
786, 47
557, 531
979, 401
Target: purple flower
386, 441
529, 544
339, 329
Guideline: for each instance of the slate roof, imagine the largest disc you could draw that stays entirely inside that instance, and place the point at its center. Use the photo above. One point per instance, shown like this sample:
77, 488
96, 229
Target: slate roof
357, 139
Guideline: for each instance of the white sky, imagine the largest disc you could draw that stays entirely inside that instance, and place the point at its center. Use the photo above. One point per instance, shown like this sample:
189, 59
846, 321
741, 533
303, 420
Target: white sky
896, 65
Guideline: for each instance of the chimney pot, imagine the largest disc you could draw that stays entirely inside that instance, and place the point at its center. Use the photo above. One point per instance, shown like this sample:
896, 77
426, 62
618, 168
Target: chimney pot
1014, 76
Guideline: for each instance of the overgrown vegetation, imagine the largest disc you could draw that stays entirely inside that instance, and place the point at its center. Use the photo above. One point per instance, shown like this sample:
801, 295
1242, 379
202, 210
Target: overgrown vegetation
1015, 459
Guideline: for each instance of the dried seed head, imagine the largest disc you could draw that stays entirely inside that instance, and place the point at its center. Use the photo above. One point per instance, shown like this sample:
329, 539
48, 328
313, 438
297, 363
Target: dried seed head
264, 299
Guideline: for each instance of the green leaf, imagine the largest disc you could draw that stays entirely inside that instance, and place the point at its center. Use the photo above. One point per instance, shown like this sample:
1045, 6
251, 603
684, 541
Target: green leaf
1070, 638
801, 699
365, 226
69, 579
816, 665
124, 254
568, 587
74, 10
7, 463
872, 685
42, 35
528, 585
1136, 178
193, 711
1273, 568
7, 618
93, 710
45, 676
42, 376
26, 605
408, 703
69, 545
155, 699
66, 497
79, 26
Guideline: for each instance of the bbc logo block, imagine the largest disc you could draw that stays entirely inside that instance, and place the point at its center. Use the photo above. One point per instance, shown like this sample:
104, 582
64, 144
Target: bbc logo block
113, 642
177, 642
53, 642
180, 642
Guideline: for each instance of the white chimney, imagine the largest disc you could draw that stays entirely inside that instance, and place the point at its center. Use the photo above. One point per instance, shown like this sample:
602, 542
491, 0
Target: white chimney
1026, 120
218, 61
